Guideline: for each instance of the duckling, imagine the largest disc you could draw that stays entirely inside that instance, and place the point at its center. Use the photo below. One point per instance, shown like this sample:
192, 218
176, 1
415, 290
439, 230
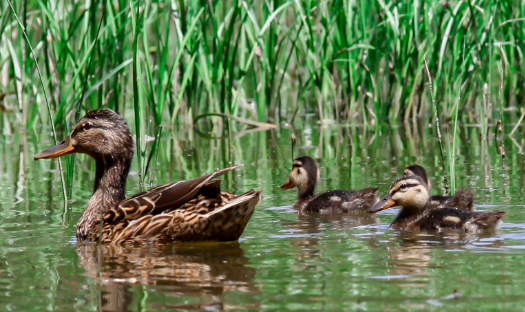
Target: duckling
412, 193
305, 174
463, 199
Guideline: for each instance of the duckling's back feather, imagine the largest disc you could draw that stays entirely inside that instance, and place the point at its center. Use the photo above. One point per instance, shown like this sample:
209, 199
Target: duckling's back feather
462, 199
343, 200
452, 219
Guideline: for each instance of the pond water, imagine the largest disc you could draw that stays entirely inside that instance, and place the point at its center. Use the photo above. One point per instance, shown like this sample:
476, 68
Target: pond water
284, 260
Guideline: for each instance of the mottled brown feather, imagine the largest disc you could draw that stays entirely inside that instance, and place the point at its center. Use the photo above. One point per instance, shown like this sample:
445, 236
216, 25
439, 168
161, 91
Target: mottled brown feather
162, 214
159, 198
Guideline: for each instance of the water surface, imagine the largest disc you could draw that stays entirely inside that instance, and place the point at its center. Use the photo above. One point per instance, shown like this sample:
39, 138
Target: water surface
284, 260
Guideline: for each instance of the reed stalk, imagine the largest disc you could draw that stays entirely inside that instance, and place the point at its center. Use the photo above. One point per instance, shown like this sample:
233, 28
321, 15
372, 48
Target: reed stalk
436, 116
350, 62
22, 29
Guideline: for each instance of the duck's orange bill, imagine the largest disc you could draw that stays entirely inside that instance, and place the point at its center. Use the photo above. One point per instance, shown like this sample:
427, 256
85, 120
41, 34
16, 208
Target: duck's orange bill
383, 204
63, 148
287, 185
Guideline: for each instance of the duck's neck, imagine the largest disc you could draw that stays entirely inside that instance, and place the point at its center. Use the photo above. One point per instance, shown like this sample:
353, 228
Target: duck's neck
407, 214
307, 193
109, 190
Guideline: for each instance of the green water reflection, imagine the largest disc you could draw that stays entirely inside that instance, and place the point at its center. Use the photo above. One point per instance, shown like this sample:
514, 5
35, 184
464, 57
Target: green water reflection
285, 260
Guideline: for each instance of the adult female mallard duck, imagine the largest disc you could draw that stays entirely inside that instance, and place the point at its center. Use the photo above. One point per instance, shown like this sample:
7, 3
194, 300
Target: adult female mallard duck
417, 213
192, 210
305, 175
463, 199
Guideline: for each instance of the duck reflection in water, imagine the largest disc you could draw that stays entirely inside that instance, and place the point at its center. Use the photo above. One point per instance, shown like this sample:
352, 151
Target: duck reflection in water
305, 232
201, 271
410, 258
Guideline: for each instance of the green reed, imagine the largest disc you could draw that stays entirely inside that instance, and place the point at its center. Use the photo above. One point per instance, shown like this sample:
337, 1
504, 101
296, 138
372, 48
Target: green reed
20, 87
453, 151
437, 124
358, 62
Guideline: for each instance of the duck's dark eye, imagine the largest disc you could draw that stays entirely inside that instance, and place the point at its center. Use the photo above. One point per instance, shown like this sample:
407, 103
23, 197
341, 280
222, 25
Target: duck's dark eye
88, 125
403, 187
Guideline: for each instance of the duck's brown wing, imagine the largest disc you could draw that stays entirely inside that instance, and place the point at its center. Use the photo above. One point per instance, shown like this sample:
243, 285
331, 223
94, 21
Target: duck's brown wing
163, 197
224, 223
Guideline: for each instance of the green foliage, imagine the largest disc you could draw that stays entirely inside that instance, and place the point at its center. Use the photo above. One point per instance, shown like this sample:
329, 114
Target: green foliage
358, 61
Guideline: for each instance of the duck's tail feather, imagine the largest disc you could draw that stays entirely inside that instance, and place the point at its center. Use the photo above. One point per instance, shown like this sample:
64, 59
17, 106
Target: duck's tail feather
368, 197
488, 220
227, 223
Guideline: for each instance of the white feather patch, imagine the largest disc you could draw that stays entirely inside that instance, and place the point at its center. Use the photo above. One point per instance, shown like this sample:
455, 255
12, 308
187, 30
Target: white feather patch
452, 219
335, 199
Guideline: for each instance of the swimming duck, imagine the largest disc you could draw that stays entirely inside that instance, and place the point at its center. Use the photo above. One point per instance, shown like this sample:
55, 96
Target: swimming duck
417, 213
191, 210
305, 174
463, 199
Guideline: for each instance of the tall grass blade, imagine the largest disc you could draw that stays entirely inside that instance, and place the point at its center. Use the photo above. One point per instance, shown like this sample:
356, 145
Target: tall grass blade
436, 116
45, 96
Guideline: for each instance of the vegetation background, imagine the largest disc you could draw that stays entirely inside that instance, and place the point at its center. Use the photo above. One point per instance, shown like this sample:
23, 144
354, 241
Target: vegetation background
350, 75
173, 63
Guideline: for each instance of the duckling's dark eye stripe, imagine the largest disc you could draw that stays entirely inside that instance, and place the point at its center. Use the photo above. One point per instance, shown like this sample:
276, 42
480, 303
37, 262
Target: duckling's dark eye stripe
406, 186
296, 166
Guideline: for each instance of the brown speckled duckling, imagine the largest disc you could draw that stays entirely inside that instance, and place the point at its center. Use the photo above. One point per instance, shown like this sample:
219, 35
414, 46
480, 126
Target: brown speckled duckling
463, 199
413, 195
305, 174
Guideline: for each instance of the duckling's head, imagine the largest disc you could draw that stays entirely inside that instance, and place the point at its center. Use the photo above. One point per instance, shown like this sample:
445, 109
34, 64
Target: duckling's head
419, 171
408, 192
304, 175
100, 133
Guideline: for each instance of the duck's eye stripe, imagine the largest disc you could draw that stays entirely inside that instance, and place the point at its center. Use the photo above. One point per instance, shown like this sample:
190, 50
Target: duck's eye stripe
402, 187
296, 166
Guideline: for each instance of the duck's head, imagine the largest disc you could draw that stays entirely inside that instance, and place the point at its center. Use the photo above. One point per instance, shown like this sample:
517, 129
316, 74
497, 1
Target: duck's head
417, 170
408, 192
304, 175
100, 133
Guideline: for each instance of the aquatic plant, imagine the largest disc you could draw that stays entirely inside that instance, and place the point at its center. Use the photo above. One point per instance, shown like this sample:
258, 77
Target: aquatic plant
356, 61
183, 62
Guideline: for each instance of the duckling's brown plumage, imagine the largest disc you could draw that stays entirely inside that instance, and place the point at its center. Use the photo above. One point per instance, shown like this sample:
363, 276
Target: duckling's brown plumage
192, 210
417, 213
463, 199
305, 175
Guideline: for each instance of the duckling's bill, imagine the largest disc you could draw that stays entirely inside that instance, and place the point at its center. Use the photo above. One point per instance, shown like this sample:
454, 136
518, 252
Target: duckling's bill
287, 185
383, 204
63, 148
